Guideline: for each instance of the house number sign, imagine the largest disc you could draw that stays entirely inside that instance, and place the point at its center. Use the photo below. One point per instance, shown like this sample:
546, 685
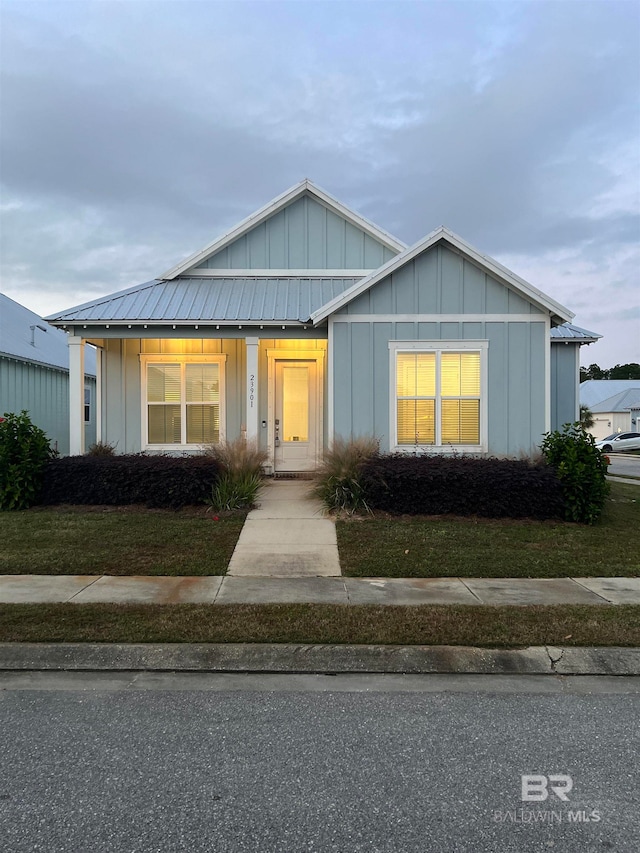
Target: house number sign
252, 389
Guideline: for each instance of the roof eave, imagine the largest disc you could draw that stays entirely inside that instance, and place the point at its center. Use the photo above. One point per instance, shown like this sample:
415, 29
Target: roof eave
136, 322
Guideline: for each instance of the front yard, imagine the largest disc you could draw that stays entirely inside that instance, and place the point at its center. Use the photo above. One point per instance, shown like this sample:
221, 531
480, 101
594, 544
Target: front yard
117, 541
139, 541
470, 547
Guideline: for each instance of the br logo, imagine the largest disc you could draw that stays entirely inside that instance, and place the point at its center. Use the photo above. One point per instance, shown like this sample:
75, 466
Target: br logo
536, 786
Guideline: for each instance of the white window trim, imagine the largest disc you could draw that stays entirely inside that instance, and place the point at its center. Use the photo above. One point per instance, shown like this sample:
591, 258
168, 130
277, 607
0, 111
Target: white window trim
145, 360
89, 405
396, 347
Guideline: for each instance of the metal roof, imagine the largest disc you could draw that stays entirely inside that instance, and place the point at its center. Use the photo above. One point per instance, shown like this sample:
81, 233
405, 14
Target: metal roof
569, 332
209, 301
594, 391
27, 337
620, 402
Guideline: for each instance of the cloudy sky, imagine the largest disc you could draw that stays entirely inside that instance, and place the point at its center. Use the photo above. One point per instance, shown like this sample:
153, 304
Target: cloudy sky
133, 133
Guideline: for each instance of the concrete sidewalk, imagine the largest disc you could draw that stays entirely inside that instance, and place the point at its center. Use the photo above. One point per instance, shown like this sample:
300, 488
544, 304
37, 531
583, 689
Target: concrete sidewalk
287, 535
32, 589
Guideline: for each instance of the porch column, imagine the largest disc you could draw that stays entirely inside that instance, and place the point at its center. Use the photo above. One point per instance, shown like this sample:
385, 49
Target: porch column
252, 389
98, 400
76, 395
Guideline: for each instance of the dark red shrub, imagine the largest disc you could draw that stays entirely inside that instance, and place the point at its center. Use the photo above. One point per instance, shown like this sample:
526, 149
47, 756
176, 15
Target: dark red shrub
462, 485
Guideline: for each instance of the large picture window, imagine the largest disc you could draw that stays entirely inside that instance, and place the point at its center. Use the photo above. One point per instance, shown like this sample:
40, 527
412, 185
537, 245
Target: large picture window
437, 393
183, 400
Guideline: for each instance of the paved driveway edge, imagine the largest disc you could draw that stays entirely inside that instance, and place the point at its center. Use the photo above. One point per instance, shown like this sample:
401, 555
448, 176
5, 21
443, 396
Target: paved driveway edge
281, 658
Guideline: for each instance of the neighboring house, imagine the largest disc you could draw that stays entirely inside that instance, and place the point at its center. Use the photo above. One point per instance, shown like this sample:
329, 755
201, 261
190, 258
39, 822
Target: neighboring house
306, 322
34, 374
614, 404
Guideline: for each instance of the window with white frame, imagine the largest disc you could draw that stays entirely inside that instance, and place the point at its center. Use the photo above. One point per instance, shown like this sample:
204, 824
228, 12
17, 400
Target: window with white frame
87, 404
183, 400
438, 394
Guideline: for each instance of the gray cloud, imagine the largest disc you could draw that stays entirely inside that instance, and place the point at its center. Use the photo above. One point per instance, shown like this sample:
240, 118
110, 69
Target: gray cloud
135, 133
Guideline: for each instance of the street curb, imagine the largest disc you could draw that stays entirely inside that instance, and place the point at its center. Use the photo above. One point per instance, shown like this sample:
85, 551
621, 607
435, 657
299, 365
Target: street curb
299, 658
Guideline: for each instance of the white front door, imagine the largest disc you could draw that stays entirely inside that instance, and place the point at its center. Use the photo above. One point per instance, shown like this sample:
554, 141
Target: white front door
296, 412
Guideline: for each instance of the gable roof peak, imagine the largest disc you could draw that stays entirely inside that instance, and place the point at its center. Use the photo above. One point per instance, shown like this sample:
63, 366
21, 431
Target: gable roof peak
278, 203
558, 312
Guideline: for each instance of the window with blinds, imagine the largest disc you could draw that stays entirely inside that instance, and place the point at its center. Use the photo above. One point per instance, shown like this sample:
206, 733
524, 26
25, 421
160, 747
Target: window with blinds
183, 403
416, 393
438, 397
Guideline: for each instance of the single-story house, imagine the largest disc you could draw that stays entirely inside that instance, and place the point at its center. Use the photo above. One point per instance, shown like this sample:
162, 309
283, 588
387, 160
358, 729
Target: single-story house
614, 404
306, 321
34, 375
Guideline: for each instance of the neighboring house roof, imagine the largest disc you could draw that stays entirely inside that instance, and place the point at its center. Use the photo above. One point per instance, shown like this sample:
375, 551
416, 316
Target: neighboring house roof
568, 332
27, 337
621, 402
442, 234
594, 391
280, 202
212, 301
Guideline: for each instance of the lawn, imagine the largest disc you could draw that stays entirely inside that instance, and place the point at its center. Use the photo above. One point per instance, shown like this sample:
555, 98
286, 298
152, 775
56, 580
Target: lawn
116, 541
560, 625
421, 546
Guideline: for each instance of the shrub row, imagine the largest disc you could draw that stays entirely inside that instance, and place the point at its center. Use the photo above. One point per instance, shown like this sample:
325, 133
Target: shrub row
157, 481
437, 485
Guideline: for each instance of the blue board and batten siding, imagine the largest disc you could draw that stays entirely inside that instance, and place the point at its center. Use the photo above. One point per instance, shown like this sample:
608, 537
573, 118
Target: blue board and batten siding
441, 282
304, 235
44, 393
565, 365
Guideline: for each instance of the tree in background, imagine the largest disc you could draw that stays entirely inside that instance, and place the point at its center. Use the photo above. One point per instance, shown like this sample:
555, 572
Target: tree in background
625, 371
620, 371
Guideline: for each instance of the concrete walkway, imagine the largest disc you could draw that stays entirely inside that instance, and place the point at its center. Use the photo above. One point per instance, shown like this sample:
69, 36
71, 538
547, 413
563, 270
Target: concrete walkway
30, 589
287, 536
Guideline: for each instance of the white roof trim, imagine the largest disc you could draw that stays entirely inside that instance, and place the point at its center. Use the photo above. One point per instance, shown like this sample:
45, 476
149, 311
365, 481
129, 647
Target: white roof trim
511, 279
277, 273
274, 206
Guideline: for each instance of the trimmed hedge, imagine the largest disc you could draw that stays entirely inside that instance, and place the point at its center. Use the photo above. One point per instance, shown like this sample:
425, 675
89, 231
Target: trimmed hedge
462, 485
157, 481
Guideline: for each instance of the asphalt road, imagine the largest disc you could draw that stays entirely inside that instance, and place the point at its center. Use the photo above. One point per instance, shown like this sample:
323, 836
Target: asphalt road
624, 466
314, 763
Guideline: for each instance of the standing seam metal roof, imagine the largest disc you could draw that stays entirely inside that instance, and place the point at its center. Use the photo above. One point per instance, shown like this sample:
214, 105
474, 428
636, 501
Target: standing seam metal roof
569, 332
219, 300
621, 402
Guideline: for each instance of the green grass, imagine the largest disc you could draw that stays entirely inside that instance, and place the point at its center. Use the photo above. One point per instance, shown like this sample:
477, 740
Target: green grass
472, 547
560, 625
116, 541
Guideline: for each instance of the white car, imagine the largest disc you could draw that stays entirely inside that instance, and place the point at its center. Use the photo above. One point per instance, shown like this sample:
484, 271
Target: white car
619, 442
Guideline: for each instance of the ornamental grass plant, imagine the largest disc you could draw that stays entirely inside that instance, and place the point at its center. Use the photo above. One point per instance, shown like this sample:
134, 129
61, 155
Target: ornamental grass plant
338, 482
240, 480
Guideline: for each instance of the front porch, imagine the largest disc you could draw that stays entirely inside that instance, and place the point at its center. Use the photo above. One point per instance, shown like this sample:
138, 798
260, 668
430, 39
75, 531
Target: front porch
158, 392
